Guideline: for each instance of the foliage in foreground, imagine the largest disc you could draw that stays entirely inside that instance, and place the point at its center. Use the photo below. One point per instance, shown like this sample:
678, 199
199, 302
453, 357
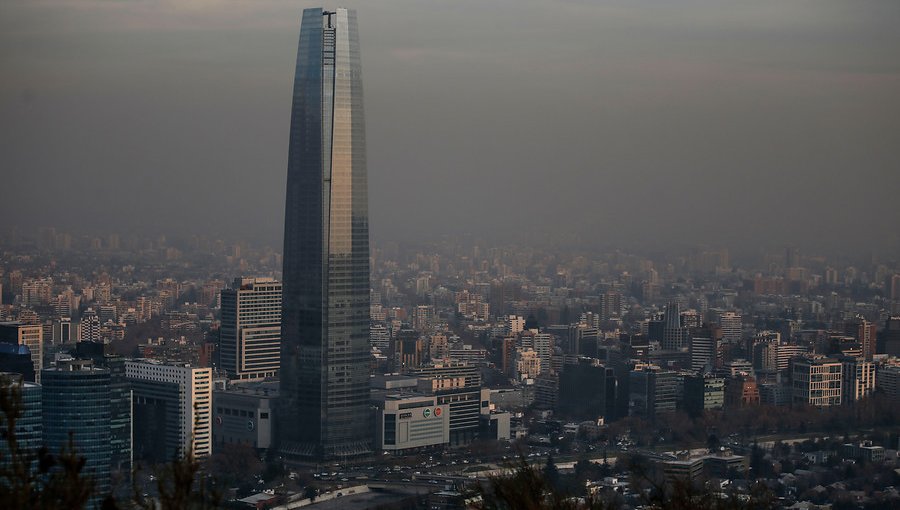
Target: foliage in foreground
529, 488
42, 480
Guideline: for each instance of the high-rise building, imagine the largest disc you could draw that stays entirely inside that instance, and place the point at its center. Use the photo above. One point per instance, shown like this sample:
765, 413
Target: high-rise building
858, 379
90, 326
172, 409
587, 390
120, 405
76, 402
29, 335
865, 333
652, 391
324, 396
817, 381
250, 334
702, 392
29, 425
674, 335
704, 348
889, 339
730, 322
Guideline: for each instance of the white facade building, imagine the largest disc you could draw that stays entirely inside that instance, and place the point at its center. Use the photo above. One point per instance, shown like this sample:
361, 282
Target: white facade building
180, 393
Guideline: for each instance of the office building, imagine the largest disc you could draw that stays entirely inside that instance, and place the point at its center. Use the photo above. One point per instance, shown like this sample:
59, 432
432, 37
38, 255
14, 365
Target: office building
587, 391
704, 349
324, 397
29, 425
889, 340
457, 385
404, 422
120, 404
244, 414
16, 359
76, 402
730, 322
817, 381
703, 392
887, 381
652, 391
674, 336
29, 335
250, 333
172, 409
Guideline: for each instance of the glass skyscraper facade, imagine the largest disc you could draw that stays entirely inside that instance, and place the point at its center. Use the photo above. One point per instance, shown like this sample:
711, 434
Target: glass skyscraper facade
76, 400
324, 405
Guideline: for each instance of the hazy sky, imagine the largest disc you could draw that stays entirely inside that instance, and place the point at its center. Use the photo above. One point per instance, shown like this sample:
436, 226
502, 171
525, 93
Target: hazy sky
628, 121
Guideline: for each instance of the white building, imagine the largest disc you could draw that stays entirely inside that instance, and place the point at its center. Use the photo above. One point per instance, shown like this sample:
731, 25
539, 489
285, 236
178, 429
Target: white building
817, 381
172, 409
730, 322
250, 334
411, 421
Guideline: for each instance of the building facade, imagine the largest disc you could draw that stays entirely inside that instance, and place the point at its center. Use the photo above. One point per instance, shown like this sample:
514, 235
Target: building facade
29, 335
29, 425
404, 422
172, 409
324, 396
244, 415
76, 402
250, 334
817, 381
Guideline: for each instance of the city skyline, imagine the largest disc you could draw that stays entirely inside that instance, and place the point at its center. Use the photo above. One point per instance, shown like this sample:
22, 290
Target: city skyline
627, 123
617, 254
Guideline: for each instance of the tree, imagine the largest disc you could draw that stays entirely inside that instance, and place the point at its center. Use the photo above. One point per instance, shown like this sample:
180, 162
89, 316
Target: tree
310, 493
551, 473
37, 479
527, 488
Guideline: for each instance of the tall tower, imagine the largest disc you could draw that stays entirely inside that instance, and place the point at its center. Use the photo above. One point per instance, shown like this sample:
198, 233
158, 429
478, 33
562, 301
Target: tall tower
324, 399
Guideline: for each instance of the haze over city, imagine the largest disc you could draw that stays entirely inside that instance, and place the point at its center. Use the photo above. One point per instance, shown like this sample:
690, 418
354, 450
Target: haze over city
621, 123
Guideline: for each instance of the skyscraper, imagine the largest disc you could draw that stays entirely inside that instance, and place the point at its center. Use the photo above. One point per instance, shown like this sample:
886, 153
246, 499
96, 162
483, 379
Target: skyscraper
324, 408
76, 404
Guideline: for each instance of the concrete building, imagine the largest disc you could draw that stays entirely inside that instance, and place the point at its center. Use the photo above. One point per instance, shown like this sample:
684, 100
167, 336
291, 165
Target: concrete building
250, 334
243, 414
405, 422
730, 322
172, 409
652, 391
817, 381
29, 335
858, 379
703, 392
